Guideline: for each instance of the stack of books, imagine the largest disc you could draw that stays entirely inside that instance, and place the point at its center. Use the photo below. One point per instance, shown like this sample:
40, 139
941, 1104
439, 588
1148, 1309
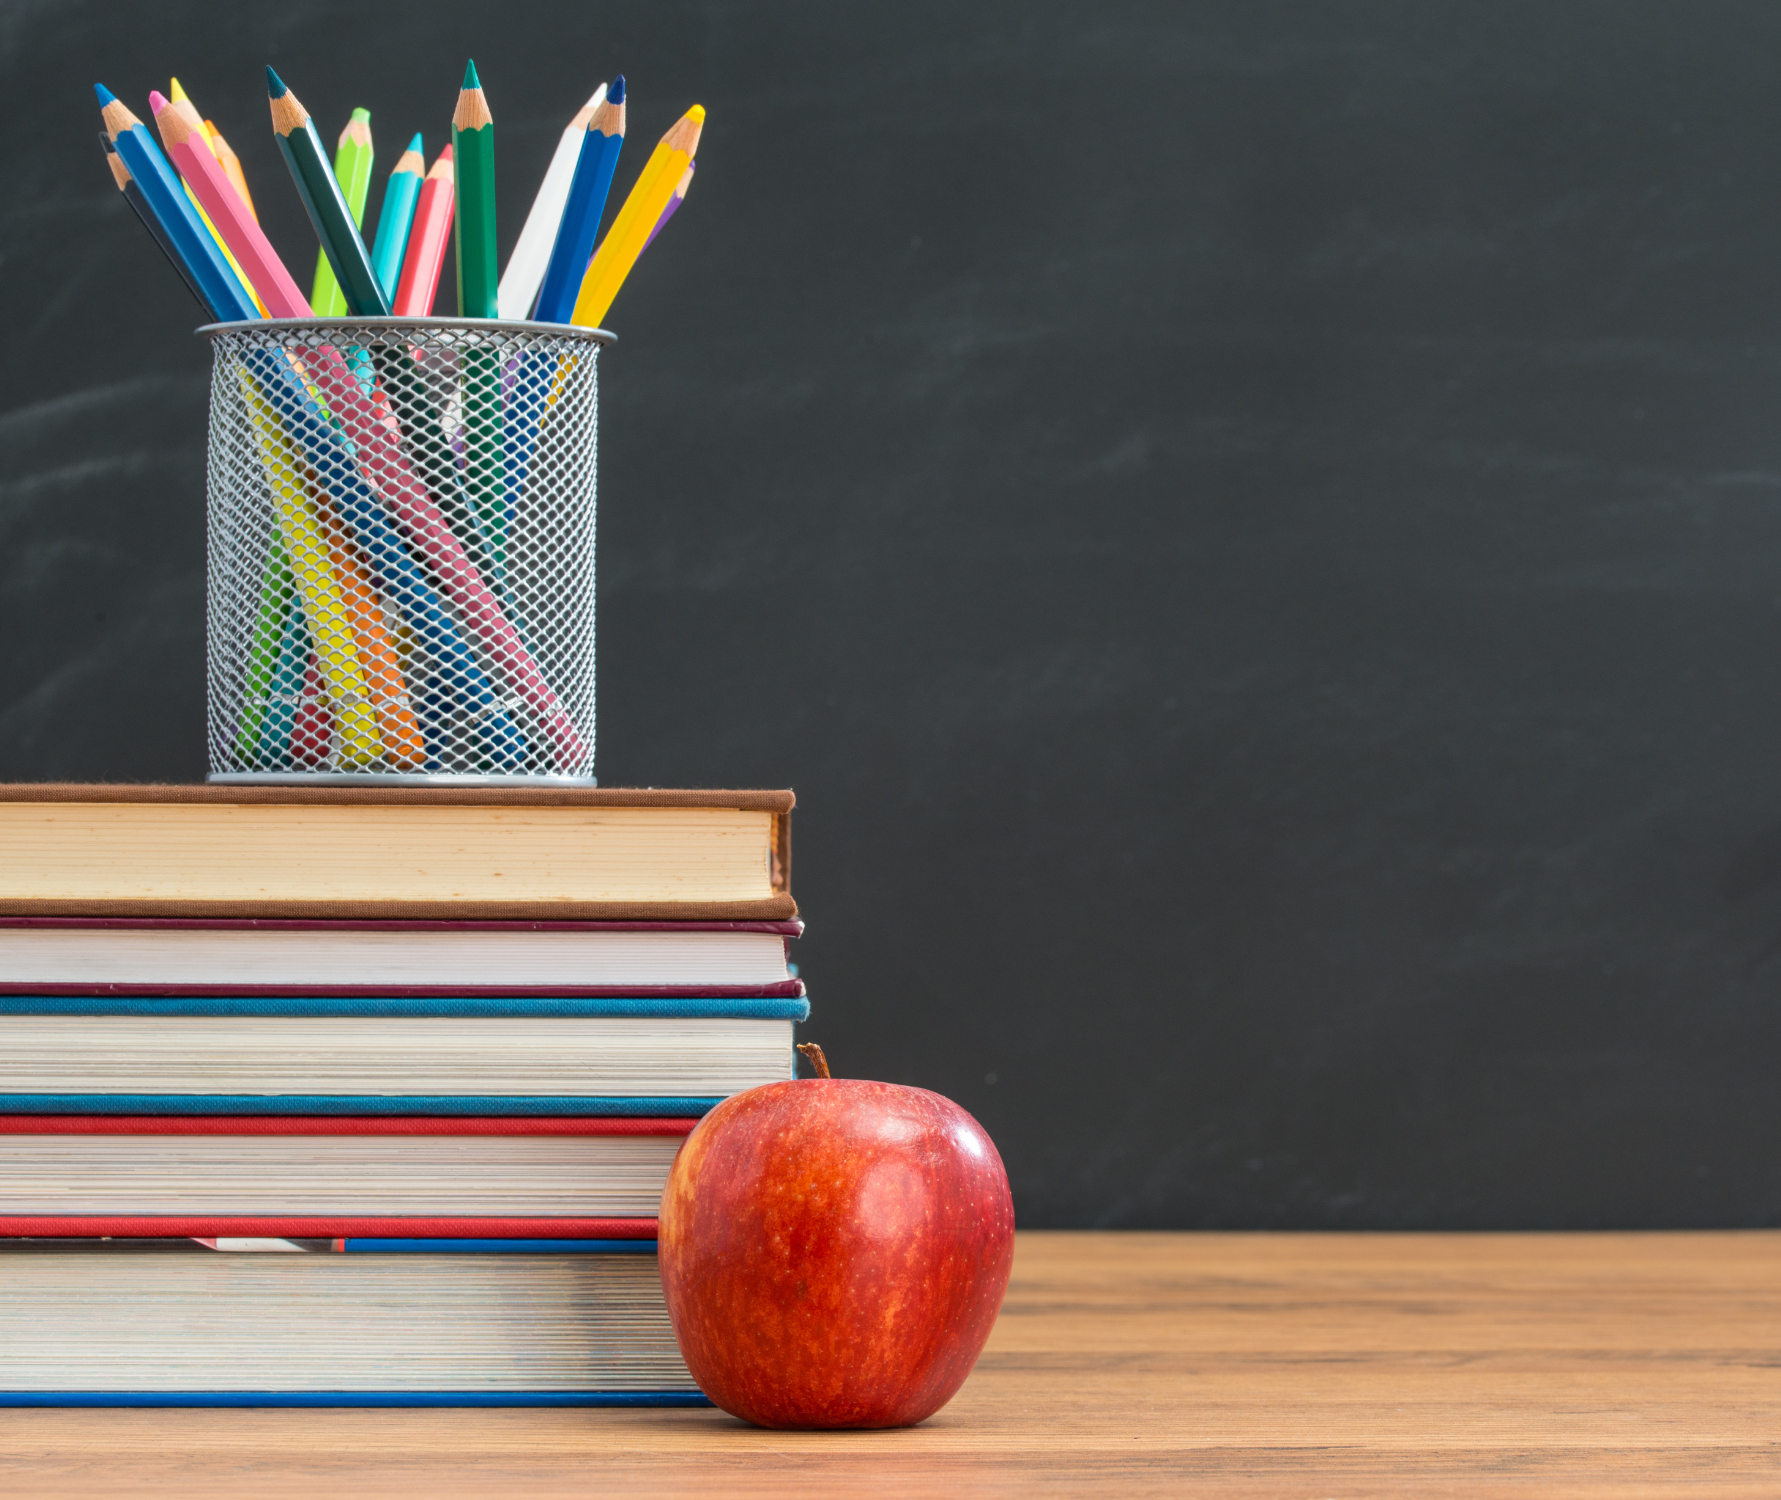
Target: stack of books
329, 1095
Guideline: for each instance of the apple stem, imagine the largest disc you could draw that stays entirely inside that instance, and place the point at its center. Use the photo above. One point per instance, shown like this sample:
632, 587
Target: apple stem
813, 1055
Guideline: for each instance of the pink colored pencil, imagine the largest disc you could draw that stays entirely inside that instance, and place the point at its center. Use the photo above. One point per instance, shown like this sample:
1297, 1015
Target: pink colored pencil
233, 219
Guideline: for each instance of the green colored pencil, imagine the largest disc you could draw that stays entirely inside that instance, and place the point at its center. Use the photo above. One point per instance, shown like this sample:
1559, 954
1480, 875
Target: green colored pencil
479, 277
473, 154
353, 157
270, 625
326, 204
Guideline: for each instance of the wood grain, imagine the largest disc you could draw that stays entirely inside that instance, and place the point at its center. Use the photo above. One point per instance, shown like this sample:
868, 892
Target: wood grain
1626, 1365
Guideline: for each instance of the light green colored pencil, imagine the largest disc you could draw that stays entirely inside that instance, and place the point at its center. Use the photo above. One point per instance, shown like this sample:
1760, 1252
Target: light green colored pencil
353, 158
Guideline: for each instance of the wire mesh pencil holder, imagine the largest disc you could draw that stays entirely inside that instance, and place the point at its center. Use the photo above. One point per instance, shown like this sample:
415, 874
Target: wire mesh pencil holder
401, 550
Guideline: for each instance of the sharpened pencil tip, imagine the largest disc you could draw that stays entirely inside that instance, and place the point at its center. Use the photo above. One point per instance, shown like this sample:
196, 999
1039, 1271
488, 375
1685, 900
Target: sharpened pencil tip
444, 155
157, 101
363, 116
471, 81
105, 95
696, 114
415, 144
274, 84
615, 93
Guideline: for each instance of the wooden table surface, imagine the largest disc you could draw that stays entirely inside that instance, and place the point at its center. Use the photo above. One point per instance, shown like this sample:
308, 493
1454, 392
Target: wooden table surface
1213, 1364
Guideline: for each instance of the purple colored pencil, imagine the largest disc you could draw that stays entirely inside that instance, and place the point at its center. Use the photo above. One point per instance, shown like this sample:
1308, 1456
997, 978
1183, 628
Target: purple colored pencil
686, 181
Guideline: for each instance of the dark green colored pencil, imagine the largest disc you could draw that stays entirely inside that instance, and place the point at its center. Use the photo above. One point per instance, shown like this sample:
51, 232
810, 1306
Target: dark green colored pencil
479, 278
321, 195
473, 159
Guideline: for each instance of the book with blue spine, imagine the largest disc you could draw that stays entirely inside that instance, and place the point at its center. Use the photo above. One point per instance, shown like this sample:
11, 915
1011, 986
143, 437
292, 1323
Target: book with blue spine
336, 1322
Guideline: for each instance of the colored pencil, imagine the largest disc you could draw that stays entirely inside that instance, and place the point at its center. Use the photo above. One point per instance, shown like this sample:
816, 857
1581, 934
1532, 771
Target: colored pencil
274, 746
686, 181
324, 202
473, 159
237, 228
531, 253
353, 160
459, 687
270, 625
190, 113
120, 174
604, 138
370, 426
396, 216
333, 642
402, 743
624, 242
427, 241
231, 165
165, 195
473, 152
312, 731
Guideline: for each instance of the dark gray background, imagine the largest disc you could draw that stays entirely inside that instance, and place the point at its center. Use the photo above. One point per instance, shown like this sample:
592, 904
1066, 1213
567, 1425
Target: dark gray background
1253, 529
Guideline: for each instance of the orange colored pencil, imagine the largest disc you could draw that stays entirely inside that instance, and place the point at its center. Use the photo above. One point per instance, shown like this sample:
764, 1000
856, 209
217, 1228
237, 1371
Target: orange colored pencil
427, 241
225, 153
401, 733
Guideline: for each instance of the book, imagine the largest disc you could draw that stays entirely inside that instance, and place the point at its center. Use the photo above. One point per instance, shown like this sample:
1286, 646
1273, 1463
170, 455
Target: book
260, 1176
171, 1322
394, 852
416, 1055
270, 956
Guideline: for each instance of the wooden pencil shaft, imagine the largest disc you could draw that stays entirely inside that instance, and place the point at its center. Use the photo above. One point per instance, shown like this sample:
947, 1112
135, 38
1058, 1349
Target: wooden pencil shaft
427, 242
580, 224
323, 201
225, 153
353, 161
139, 206
183, 134
165, 195
395, 219
624, 242
473, 161
531, 252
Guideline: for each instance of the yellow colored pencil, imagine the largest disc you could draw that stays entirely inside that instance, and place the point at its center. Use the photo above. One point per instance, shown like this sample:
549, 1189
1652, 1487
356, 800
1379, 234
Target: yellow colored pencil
231, 165
307, 548
178, 99
624, 242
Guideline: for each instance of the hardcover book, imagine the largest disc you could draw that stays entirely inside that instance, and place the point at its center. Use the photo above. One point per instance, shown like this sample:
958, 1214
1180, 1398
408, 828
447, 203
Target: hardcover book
394, 852
407, 1056
271, 956
183, 1323
498, 1177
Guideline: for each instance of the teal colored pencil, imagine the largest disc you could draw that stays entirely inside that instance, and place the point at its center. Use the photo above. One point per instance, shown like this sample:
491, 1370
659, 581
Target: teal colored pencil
396, 217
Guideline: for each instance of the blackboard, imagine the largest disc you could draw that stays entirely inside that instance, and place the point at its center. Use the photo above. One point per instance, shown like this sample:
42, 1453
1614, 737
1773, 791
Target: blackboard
1253, 529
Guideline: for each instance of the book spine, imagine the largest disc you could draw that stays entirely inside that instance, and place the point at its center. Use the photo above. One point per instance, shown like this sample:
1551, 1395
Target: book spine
304, 1226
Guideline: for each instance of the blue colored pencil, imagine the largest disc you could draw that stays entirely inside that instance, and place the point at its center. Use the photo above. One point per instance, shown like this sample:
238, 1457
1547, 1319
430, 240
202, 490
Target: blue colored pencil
166, 197
580, 223
396, 217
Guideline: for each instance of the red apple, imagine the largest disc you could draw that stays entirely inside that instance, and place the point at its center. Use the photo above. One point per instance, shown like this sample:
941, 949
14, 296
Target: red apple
834, 1252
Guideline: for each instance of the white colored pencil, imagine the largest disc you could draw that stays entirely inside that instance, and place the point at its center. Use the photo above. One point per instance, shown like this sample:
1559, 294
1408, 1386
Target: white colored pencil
531, 255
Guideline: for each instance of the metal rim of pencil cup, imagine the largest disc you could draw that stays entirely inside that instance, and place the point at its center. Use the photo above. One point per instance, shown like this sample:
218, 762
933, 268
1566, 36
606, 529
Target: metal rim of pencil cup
400, 558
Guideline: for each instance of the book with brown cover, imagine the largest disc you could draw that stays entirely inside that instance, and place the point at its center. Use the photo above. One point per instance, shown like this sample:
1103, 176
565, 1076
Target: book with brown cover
333, 852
